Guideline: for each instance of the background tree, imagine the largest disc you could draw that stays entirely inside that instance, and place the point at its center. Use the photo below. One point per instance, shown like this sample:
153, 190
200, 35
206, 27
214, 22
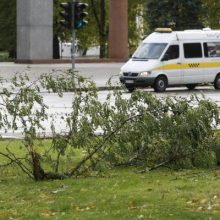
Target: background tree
96, 32
136, 23
178, 14
212, 9
59, 32
8, 26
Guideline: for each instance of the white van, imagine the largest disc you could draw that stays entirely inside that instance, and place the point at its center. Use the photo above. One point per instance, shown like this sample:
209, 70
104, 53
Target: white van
171, 58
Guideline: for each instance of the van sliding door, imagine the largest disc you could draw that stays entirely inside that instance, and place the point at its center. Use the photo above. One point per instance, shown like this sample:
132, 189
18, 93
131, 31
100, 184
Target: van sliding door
193, 58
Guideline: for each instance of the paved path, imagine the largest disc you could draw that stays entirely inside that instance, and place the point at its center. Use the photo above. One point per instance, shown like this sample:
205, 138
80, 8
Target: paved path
98, 72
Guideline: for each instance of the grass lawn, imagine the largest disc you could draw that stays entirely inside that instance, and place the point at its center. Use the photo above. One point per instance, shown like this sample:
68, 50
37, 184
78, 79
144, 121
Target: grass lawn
120, 194
3, 55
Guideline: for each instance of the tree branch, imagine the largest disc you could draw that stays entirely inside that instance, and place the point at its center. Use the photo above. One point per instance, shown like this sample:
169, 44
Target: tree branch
89, 156
17, 161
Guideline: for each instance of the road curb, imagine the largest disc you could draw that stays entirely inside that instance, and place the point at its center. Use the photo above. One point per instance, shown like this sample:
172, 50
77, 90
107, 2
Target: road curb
77, 60
106, 88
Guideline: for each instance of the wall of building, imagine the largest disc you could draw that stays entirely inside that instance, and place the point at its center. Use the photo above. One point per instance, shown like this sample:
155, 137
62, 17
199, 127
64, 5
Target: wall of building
34, 29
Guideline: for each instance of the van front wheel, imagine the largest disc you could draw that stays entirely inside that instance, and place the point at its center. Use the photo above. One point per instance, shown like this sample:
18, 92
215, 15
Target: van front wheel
160, 84
130, 88
191, 86
217, 82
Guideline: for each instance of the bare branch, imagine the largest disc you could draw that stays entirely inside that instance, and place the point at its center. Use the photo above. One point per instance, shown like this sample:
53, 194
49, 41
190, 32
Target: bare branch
19, 163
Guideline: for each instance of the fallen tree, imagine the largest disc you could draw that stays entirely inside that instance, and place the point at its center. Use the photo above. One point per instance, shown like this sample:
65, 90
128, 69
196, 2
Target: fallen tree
143, 130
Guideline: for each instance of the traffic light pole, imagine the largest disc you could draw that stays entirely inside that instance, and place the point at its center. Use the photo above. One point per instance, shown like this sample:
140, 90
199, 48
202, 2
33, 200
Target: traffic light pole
73, 49
73, 19
73, 39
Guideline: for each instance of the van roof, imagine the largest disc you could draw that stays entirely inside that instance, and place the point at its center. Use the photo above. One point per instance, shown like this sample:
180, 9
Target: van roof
205, 34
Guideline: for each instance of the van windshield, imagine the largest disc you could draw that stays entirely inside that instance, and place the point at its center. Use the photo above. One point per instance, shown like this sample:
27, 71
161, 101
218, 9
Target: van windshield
149, 51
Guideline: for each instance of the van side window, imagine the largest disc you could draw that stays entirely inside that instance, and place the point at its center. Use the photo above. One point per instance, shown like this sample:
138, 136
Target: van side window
212, 49
172, 52
192, 50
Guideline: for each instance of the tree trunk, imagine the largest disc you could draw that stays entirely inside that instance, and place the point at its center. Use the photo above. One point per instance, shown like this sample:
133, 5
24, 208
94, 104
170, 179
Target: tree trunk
101, 23
12, 53
84, 51
38, 171
56, 47
102, 34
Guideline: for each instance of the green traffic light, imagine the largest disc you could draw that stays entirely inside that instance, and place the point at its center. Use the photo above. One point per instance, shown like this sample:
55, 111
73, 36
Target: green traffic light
81, 24
79, 15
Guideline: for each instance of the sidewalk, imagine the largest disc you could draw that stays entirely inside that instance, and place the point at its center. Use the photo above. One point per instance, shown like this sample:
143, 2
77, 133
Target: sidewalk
100, 73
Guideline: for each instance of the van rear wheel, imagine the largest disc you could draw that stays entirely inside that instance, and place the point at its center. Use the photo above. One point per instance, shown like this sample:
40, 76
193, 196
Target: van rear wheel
191, 86
217, 82
160, 84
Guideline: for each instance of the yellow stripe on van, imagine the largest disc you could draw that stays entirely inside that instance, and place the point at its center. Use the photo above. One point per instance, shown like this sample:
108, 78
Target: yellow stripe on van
210, 64
189, 66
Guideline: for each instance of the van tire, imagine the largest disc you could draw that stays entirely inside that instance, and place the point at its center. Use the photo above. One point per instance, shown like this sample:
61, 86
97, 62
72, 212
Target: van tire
130, 88
160, 84
191, 86
217, 82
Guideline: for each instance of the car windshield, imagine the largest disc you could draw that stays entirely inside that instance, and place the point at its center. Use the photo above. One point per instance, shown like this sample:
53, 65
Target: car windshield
149, 51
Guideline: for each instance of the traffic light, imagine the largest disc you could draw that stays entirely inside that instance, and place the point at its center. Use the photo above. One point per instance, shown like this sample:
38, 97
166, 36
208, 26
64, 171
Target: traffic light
67, 15
79, 15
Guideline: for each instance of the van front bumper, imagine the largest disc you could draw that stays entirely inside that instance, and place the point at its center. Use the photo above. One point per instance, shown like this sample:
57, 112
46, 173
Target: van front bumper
137, 81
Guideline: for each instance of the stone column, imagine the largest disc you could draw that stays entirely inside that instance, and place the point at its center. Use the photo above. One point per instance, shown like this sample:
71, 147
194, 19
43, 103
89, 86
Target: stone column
118, 29
34, 29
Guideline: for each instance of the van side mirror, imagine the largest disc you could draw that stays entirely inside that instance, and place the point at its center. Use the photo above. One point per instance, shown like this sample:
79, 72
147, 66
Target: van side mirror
165, 57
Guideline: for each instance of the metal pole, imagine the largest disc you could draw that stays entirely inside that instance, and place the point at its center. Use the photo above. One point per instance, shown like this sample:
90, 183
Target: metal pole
73, 39
73, 49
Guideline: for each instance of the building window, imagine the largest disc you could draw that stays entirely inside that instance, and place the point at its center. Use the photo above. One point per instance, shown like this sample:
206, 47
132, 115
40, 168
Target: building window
192, 50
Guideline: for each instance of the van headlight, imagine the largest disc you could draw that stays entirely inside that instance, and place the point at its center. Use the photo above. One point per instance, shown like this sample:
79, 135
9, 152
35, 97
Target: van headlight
121, 73
145, 73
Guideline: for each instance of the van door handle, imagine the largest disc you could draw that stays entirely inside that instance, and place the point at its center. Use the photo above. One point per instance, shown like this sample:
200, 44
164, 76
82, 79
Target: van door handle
179, 63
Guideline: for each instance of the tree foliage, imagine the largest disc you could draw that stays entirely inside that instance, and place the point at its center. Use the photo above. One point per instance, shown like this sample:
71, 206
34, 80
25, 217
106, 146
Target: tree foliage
211, 16
180, 15
8, 26
143, 130
136, 23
